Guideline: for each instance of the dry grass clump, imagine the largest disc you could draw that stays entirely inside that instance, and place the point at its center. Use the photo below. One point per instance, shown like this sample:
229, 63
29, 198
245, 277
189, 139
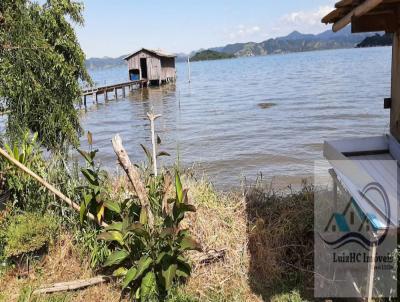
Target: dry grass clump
219, 223
61, 264
280, 230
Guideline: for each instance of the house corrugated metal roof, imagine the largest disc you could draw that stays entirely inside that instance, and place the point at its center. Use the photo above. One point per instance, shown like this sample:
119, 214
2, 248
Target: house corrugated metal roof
157, 52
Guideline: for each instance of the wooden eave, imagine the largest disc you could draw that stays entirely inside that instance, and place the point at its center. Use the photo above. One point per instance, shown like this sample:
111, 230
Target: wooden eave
157, 53
365, 15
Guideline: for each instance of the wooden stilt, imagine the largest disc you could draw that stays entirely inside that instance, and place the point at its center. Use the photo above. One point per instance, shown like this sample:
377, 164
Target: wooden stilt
84, 100
115, 93
123, 92
97, 98
105, 95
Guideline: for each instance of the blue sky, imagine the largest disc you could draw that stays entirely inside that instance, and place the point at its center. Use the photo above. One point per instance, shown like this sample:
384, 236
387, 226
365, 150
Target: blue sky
114, 28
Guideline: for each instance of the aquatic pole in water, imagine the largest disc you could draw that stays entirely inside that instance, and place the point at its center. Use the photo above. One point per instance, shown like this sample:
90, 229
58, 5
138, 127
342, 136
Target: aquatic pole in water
50, 187
189, 71
152, 117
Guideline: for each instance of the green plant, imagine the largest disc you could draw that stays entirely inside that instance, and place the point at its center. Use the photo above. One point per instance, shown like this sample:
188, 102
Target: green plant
150, 258
95, 193
40, 76
86, 239
28, 232
27, 194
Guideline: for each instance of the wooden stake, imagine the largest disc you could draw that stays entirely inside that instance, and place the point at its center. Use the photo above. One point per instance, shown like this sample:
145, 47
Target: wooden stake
46, 184
189, 71
152, 118
371, 276
134, 177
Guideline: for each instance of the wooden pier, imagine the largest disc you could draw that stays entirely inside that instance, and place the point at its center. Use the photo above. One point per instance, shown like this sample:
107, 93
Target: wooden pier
113, 89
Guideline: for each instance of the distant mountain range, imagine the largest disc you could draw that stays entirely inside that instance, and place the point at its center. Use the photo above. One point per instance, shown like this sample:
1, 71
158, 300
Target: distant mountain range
105, 62
294, 42
377, 40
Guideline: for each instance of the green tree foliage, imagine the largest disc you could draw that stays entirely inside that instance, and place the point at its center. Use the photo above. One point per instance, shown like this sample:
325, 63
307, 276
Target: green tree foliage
41, 66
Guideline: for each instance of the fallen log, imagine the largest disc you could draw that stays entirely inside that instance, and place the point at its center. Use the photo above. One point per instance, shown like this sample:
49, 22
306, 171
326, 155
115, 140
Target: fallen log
72, 285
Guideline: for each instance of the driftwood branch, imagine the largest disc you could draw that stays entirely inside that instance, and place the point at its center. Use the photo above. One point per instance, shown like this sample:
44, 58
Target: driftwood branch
50, 187
72, 285
134, 177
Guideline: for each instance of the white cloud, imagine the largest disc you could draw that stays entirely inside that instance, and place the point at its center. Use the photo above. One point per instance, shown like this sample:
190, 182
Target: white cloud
305, 21
242, 31
306, 18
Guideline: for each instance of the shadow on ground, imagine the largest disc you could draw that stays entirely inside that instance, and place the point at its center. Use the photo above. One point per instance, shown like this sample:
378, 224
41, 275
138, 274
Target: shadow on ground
280, 232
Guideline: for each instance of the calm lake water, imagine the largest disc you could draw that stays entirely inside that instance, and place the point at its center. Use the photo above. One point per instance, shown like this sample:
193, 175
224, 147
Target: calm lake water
216, 122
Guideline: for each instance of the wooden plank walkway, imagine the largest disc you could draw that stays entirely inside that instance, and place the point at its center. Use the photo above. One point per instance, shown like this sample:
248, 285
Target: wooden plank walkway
104, 90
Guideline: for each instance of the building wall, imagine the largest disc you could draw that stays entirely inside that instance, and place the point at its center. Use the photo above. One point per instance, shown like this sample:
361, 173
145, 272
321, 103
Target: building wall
157, 68
153, 65
168, 67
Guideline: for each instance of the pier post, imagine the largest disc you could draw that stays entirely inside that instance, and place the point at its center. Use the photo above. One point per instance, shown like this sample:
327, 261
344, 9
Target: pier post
97, 98
105, 95
123, 91
84, 100
115, 93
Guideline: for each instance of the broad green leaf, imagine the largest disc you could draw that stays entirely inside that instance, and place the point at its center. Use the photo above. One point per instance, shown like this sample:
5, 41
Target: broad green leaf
148, 287
85, 155
82, 212
90, 176
183, 269
120, 272
113, 206
189, 243
143, 264
111, 236
148, 153
161, 257
138, 229
116, 258
178, 187
16, 153
129, 276
100, 212
115, 226
168, 273
8, 148
137, 294
163, 153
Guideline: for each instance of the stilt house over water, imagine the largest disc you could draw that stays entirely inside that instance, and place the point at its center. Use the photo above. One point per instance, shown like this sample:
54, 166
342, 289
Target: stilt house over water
153, 66
358, 162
